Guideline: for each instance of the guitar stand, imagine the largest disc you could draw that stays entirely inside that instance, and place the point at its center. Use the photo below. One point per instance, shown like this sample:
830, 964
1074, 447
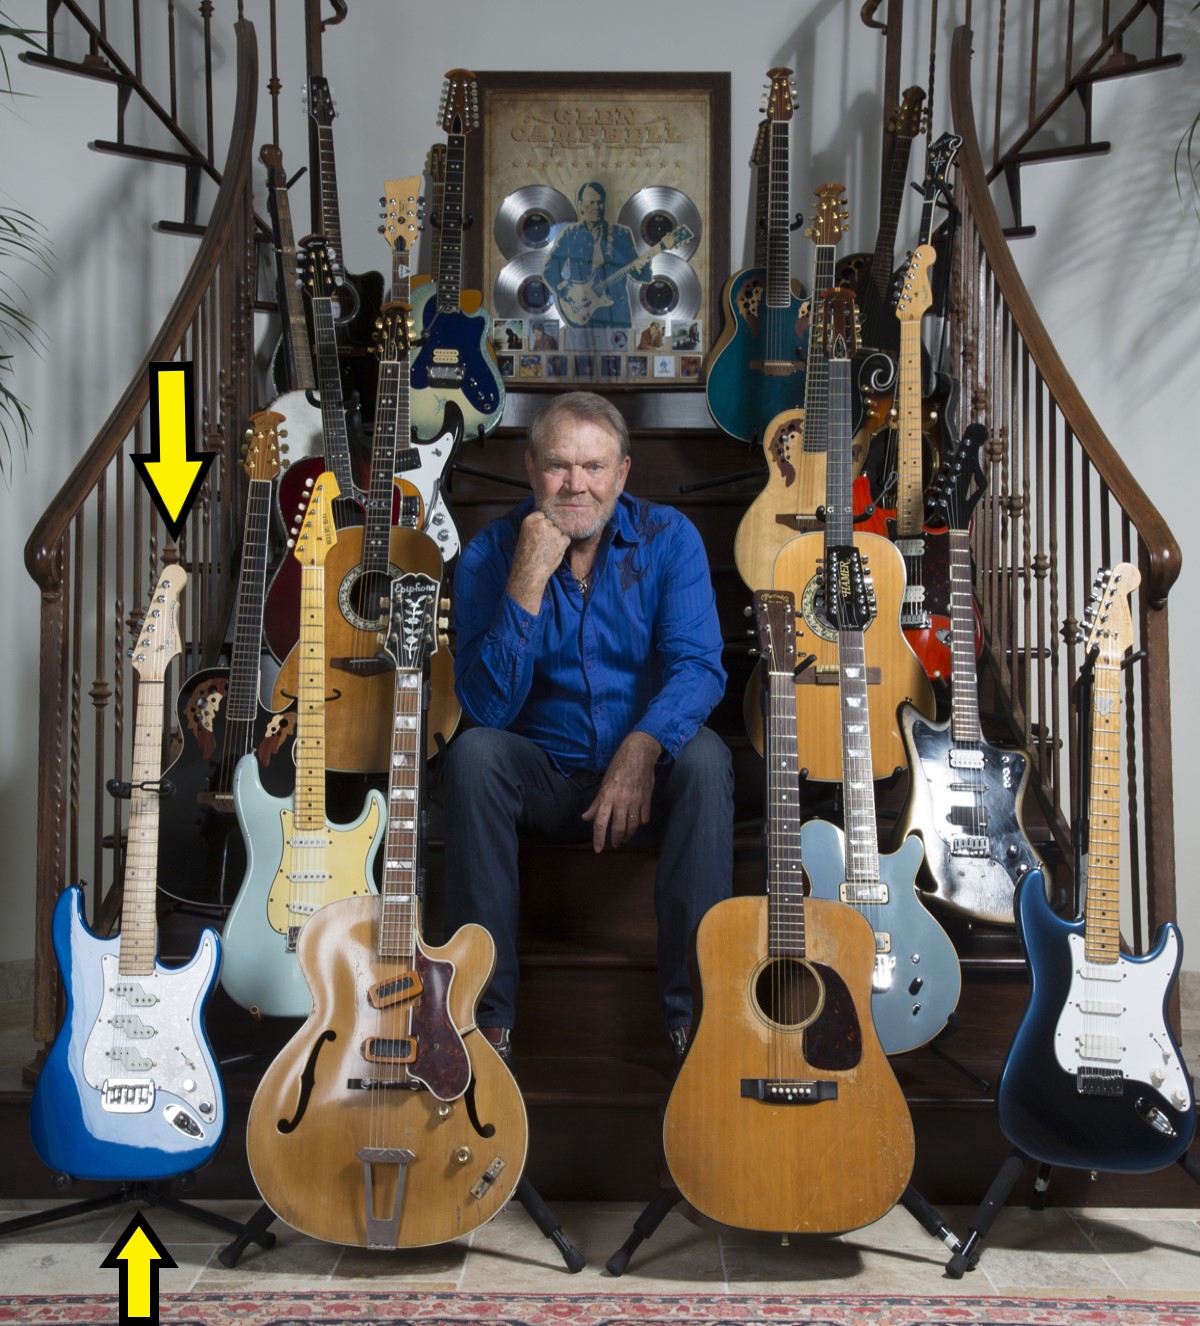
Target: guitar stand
966, 1255
926, 1215
253, 1231
132, 1192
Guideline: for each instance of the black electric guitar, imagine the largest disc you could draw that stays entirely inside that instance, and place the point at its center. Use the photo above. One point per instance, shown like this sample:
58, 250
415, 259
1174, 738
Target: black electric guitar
785, 1075
964, 794
1095, 1078
201, 857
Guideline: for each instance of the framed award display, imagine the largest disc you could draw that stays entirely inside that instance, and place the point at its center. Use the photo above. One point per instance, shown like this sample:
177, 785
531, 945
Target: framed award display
602, 243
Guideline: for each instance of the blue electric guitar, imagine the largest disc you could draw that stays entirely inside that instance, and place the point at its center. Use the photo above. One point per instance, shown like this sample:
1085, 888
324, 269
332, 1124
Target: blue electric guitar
296, 860
454, 363
759, 371
1095, 1078
129, 1090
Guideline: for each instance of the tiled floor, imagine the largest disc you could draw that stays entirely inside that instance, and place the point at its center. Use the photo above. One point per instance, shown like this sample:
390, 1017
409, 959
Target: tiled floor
1059, 1252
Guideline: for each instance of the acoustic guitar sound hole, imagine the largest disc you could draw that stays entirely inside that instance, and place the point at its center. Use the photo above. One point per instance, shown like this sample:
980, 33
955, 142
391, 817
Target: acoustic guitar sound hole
788, 992
359, 596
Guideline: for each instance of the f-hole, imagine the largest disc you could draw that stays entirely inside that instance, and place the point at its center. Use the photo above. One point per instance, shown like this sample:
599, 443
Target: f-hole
483, 1129
788, 992
307, 1081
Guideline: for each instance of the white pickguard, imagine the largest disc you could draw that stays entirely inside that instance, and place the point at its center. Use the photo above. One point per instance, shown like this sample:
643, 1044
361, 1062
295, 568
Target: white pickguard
1113, 1020
145, 1039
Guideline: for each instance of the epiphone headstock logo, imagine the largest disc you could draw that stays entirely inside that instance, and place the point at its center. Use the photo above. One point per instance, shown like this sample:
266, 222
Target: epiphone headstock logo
596, 125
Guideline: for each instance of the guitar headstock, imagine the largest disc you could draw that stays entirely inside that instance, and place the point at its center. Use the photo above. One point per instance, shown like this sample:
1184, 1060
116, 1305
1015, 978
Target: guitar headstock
319, 101
315, 267
1108, 624
839, 323
831, 220
272, 158
459, 112
680, 235
778, 103
435, 166
775, 621
908, 120
318, 533
158, 640
848, 597
402, 215
959, 483
941, 158
409, 639
392, 336
916, 294
261, 459
762, 143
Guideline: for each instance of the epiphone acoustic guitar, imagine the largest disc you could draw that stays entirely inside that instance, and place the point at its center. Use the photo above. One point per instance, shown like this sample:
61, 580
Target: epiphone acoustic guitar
786, 1114
388, 1121
964, 794
1095, 1078
759, 371
130, 1088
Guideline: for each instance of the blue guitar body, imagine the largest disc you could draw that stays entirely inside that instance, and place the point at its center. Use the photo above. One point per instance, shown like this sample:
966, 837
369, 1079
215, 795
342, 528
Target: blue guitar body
129, 1090
453, 364
1094, 1078
917, 975
759, 370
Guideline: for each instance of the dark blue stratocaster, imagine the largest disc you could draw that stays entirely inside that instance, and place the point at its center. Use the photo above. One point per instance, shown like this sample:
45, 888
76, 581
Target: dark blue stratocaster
758, 370
1095, 1078
454, 362
130, 1090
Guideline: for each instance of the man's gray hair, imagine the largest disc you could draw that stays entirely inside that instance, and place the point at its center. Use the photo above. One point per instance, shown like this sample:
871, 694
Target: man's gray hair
584, 406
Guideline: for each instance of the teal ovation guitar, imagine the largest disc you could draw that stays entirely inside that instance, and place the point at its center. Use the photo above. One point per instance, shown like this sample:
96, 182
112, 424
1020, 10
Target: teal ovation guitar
130, 1088
759, 372
297, 861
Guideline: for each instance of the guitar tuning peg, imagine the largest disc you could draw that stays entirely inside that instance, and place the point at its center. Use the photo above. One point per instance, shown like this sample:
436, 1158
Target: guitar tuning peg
383, 602
249, 433
281, 432
748, 611
382, 201
381, 637
444, 605
379, 230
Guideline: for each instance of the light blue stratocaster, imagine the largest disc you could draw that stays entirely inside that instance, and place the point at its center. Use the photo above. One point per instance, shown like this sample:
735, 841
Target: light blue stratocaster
296, 861
130, 1089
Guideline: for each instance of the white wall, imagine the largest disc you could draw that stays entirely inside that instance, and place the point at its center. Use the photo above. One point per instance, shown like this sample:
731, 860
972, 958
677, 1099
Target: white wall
1110, 277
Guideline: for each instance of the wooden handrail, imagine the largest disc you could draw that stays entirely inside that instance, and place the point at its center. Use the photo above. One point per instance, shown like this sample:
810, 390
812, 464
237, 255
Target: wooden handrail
41, 548
1161, 548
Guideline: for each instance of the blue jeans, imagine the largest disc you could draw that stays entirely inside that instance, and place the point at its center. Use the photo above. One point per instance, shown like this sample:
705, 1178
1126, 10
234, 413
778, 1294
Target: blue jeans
498, 785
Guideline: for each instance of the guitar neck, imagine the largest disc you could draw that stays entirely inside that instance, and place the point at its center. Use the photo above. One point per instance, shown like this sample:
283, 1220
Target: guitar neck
964, 683
449, 267
1102, 912
858, 789
816, 369
245, 662
785, 902
139, 926
309, 799
910, 504
779, 235
839, 465
329, 222
333, 410
889, 218
393, 452
400, 891
297, 348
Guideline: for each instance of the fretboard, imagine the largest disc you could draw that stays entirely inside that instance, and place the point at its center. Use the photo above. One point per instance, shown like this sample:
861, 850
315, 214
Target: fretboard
329, 223
816, 367
1102, 913
399, 895
300, 377
910, 504
139, 926
449, 274
964, 683
874, 295
246, 661
785, 901
858, 789
392, 453
779, 235
333, 411
310, 710
839, 464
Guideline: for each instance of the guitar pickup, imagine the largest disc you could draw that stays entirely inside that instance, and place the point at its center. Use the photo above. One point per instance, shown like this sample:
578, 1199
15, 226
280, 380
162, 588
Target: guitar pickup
136, 996
133, 1027
859, 895
390, 1049
788, 1090
387, 993
966, 759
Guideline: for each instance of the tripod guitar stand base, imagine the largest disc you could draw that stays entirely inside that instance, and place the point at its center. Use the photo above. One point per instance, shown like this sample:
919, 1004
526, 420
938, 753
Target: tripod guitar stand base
966, 1256
541, 1215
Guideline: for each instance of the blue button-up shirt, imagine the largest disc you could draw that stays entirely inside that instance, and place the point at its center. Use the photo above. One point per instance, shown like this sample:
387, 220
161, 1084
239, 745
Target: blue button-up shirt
642, 651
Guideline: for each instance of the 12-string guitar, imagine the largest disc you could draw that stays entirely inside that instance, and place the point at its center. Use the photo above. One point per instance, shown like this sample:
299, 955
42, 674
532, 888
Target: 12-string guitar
388, 1121
786, 1114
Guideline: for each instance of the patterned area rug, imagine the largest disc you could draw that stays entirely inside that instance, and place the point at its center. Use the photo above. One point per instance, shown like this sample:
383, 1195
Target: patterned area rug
400, 1309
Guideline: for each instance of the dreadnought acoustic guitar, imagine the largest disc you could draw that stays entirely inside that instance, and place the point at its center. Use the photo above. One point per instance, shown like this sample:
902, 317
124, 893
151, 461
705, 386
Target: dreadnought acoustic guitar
759, 371
964, 794
1095, 1078
892, 672
786, 1114
388, 1121
130, 1088
296, 860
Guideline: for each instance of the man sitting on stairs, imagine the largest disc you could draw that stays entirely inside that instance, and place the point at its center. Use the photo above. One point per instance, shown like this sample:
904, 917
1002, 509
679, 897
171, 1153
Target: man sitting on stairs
589, 655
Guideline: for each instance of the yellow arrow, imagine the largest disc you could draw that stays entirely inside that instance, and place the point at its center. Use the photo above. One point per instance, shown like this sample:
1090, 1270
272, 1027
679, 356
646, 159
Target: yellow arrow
138, 1254
171, 469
